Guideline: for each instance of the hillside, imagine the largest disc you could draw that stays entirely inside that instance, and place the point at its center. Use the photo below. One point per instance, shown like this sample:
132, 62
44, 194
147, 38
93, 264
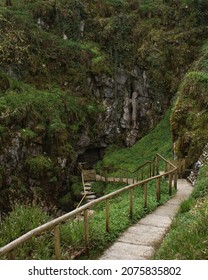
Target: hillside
189, 117
78, 76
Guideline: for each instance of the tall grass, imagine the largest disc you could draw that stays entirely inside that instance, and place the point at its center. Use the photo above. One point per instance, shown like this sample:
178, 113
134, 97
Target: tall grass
156, 141
21, 220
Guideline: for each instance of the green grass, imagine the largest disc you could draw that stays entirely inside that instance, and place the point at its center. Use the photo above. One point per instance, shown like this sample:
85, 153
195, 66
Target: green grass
188, 236
157, 141
72, 232
21, 220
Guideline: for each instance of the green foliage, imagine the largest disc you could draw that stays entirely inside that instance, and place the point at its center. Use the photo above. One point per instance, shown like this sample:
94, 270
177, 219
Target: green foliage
189, 116
21, 220
39, 165
27, 134
157, 141
72, 232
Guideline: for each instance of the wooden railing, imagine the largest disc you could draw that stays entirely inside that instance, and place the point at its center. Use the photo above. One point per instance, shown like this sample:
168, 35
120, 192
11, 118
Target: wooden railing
170, 172
143, 171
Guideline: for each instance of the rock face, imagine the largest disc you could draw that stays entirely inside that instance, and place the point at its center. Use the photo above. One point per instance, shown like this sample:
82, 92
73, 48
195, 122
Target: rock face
38, 154
198, 164
130, 108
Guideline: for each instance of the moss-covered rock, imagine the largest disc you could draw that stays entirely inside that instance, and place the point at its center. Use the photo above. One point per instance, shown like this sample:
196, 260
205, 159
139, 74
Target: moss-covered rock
190, 115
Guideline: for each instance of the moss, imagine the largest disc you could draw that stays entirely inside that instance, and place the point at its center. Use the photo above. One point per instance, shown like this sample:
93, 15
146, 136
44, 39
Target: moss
27, 134
39, 165
189, 116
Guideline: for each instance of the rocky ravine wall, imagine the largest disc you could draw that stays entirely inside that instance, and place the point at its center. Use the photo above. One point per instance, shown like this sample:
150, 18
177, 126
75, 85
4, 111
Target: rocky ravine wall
38, 168
198, 164
131, 109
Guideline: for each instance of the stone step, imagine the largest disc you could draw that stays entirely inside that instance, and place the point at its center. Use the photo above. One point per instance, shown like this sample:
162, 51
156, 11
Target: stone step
91, 196
87, 188
88, 185
87, 193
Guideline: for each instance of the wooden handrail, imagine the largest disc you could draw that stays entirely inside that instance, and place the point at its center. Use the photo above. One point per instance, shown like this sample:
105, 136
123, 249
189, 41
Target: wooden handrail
124, 171
52, 224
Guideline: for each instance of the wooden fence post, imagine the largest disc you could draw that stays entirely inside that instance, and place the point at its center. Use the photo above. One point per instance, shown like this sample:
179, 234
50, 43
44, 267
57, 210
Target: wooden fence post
158, 189
86, 230
153, 168
157, 164
131, 203
142, 173
166, 166
170, 183
179, 168
175, 179
150, 169
107, 215
105, 177
57, 242
145, 195
11, 255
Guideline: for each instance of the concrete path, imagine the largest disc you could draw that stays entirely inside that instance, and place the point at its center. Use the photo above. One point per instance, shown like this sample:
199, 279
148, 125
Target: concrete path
139, 241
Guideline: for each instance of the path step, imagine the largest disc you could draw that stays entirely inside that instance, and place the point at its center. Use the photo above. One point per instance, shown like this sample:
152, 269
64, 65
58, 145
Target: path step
88, 185
87, 193
87, 188
91, 196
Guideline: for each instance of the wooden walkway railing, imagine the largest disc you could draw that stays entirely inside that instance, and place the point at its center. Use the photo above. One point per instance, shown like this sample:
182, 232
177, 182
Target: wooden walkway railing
170, 172
146, 170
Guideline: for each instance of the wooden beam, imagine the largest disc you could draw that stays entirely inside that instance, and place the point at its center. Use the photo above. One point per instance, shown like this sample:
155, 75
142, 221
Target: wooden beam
145, 195
131, 203
170, 183
107, 215
11, 255
57, 242
158, 189
86, 230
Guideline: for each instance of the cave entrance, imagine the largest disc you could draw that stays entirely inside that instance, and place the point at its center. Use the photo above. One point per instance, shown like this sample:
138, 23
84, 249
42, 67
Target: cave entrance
91, 156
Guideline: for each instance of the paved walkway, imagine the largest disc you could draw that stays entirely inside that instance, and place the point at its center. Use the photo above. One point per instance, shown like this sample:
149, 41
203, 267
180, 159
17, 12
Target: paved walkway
138, 242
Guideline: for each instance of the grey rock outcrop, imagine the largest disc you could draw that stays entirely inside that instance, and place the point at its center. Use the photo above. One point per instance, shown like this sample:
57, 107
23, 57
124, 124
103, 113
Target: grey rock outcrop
130, 105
